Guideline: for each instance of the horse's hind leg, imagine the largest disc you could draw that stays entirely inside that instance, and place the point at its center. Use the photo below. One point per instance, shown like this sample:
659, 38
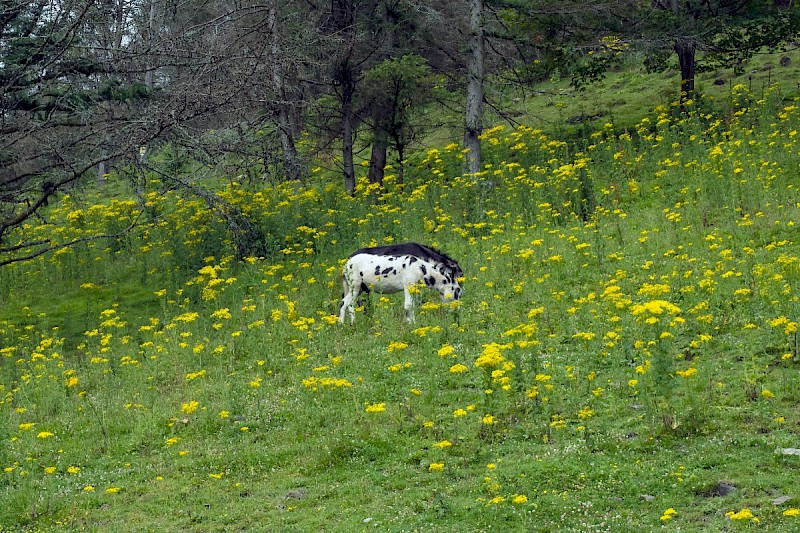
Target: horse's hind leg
347, 305
346, 298
342, 307
351, 292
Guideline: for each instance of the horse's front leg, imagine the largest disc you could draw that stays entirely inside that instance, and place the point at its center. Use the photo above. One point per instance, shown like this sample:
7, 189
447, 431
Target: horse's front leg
409, 305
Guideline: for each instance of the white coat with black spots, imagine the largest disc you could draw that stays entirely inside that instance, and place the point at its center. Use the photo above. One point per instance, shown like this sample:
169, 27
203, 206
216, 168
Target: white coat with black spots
395, 268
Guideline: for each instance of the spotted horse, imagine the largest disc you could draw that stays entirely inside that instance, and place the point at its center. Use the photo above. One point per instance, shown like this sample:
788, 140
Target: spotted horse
395, 268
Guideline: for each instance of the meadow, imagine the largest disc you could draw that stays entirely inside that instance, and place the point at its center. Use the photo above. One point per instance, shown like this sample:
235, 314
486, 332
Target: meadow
624, 356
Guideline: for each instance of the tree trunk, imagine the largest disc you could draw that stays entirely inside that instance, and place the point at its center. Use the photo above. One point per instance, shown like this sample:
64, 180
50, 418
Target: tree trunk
686, 48
474, 103
291, 163
377, 160
347, 131
102, 170
112, 37
151, 34
401, 164
344, 78
149, 75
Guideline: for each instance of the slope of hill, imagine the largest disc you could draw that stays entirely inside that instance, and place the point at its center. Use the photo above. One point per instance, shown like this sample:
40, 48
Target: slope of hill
624, 357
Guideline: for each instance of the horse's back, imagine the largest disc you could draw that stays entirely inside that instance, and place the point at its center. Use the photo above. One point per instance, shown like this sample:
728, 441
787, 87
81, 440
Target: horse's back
406, 248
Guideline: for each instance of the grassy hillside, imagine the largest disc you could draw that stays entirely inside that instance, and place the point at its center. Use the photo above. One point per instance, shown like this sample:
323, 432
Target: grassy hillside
624, 358
624, 95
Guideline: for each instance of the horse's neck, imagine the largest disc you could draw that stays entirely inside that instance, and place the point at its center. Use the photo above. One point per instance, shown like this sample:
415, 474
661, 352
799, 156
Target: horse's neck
432, 266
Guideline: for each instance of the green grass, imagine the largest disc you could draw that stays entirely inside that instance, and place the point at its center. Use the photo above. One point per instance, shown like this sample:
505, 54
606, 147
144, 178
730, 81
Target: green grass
622, 95
626, 342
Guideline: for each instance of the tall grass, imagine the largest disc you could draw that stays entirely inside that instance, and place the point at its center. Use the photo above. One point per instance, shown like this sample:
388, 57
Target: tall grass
627, 340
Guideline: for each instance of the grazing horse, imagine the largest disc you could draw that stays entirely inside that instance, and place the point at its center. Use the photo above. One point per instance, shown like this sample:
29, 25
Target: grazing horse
395, 268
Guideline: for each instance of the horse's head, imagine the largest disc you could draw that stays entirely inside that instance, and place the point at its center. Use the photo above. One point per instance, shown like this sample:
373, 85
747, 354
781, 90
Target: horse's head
450, 288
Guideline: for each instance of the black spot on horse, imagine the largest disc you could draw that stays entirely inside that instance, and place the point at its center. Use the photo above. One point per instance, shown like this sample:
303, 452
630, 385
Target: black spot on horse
412, 259
423, 270
430, 282
377, 270
364, 287
387, 271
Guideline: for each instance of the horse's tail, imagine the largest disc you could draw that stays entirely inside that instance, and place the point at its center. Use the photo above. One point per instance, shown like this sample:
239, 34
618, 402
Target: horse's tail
344, 291
346, 302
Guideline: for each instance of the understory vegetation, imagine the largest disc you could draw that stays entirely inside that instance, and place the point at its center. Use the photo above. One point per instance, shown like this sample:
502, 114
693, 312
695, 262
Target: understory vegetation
624, 356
